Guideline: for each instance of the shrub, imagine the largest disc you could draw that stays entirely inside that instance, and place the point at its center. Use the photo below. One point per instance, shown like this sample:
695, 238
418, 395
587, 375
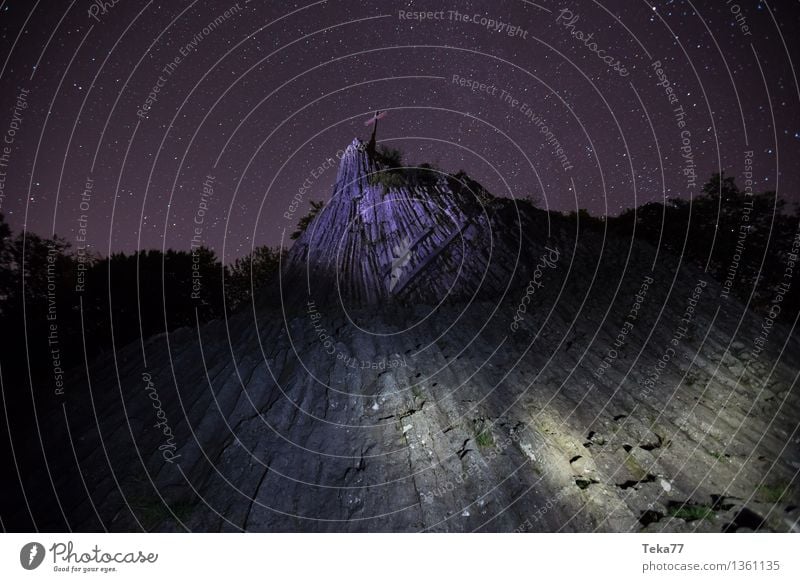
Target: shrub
689, 512
773, 493
484, 438
302, 224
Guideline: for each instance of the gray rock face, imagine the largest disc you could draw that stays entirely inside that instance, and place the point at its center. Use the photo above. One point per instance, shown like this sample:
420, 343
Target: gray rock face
514, 375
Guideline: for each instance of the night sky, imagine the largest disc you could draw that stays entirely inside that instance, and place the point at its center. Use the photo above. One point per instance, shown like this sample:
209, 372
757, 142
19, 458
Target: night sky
253, 97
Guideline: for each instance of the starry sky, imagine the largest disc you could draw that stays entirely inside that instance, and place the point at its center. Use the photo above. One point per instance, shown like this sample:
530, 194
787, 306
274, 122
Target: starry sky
200, 121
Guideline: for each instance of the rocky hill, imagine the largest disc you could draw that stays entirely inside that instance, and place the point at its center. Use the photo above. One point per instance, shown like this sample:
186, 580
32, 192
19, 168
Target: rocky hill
438, 359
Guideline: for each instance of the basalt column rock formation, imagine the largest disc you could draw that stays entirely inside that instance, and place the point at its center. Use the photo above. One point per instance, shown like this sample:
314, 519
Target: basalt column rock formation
426, 240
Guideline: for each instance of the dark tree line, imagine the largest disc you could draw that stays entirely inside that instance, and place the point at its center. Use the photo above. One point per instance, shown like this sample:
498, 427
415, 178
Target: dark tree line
744, 238
44, 283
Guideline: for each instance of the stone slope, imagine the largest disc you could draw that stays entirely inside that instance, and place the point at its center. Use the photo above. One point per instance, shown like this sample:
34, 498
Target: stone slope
561, 381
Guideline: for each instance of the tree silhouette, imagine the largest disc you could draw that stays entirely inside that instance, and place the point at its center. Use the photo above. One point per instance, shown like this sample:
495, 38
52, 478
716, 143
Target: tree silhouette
250, 274
303, 223
742, 236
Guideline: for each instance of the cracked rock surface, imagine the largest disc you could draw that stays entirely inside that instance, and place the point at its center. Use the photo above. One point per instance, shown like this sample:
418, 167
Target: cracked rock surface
508, 372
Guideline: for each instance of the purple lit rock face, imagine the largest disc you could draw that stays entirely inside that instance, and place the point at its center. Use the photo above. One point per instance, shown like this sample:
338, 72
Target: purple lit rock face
370, 242
437, 238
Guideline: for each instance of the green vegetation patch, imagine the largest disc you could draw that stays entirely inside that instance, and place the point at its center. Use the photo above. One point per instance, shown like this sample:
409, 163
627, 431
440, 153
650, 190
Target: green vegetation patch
691, 512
